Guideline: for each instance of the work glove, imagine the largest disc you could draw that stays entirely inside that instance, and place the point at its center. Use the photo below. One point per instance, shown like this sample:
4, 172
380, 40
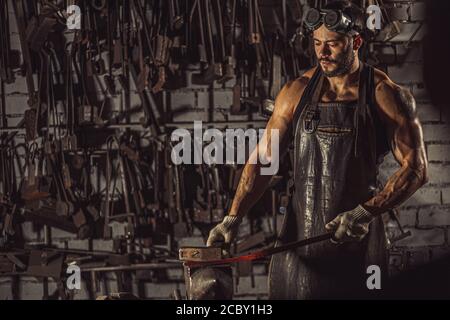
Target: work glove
225, 231
351, 225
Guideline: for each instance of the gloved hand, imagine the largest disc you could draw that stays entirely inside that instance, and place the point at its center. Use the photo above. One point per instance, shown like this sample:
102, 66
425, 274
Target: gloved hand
351, 225
225, 231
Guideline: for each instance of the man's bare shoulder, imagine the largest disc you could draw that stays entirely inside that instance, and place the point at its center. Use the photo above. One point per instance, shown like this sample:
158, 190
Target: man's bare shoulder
381, 78
393, 99
299, 83
309, 73
290, 95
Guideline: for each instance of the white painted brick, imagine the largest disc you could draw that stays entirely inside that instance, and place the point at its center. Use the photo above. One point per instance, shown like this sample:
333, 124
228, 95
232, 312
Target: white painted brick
17, 103
389, 160
196, 232
103, 245
223, 99
181, 100
160, 290
413, 54
407, 30
81, 294
15, 44
418, 90
411, 71
61, 234
18, 86
387, 172
438, 152
163, 291
436, 132
176, 274
245, 285
420, 238
418, 258
226, 85
219, 116
5, 290
191, 241
61, 244
191, 85
428, 112
398, 13
260, 269
32, 289
111, 286
203, 100
434, 216
28, 232
445, 113
387, 168
395, 263
79, 244
407, 217
424, 196
438, 173
191, 116
446, 197
230, 84
418, 11
13, 24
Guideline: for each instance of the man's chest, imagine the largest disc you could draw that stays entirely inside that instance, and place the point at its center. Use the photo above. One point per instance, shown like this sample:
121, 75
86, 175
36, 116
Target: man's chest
347, 94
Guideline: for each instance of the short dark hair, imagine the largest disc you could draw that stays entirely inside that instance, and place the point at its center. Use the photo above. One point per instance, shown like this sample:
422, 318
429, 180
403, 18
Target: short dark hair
354, 11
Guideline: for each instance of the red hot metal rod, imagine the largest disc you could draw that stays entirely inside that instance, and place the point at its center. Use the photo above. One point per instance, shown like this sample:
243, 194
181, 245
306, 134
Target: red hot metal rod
261, 253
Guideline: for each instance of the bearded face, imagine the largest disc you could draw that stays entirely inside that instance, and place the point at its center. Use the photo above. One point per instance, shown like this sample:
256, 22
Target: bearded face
335, 52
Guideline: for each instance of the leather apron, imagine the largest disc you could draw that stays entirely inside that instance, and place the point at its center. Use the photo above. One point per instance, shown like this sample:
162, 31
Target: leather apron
337, 149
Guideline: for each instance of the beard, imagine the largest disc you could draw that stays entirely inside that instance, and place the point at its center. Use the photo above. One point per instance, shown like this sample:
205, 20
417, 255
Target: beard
344, 62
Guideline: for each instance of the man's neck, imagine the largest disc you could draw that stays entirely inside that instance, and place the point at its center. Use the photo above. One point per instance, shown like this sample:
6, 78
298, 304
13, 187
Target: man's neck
339, 83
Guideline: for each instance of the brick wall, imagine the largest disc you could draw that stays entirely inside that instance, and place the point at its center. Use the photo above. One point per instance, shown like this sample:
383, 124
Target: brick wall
426, 214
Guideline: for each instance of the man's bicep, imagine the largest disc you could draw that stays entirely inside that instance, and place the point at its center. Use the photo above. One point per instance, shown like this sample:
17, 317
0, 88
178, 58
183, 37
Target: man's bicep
277, 128
285, 104
397, 109
409, 147
279, 121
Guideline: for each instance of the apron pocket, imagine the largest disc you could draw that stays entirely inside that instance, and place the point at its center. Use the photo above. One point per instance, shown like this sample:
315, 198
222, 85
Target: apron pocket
334, 131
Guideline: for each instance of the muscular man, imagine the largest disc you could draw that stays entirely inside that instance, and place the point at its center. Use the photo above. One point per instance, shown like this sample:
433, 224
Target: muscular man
344, 117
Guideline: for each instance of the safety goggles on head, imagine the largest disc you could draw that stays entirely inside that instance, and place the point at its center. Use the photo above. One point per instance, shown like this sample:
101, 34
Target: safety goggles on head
334, 20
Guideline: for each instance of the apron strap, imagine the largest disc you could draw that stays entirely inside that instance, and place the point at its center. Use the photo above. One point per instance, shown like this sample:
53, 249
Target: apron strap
306, 97
366, 80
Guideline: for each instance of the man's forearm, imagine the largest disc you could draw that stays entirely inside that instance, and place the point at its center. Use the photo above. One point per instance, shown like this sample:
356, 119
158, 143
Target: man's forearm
398, 107
399, 188
252, 186
273, 144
